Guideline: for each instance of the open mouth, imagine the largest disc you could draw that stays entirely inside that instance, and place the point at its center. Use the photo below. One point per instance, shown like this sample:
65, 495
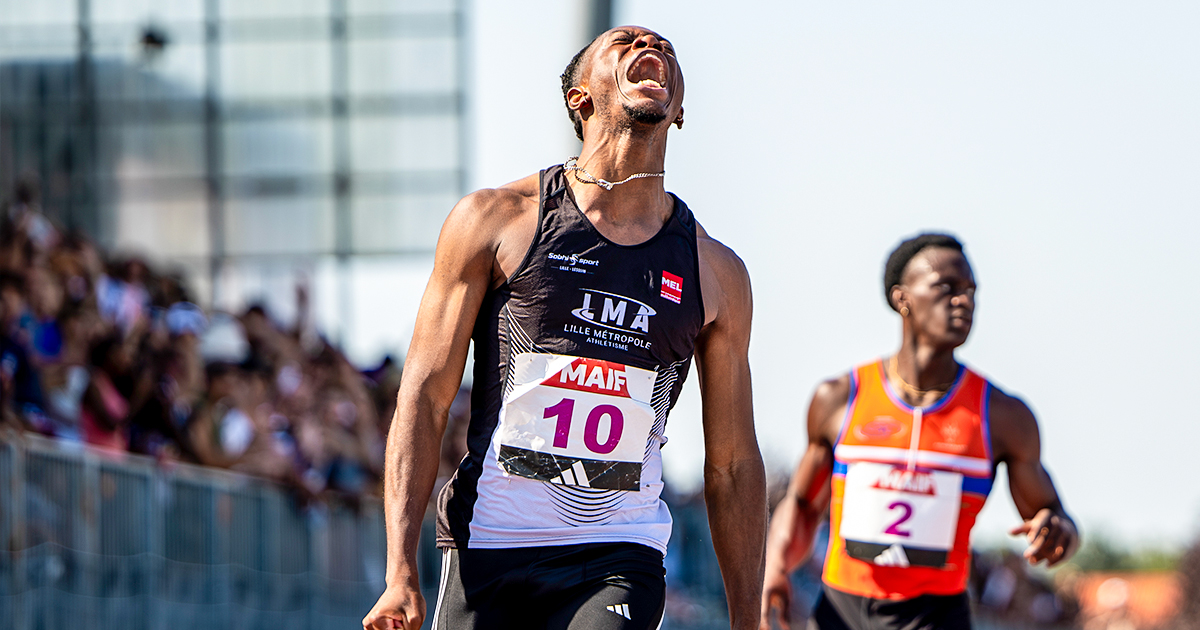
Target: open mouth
648, 70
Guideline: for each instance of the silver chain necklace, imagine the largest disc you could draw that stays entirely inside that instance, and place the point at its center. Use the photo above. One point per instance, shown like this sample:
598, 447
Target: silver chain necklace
572, 165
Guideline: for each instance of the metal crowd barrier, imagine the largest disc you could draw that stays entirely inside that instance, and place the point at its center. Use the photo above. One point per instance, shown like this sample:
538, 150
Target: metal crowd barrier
106, 540
100, 540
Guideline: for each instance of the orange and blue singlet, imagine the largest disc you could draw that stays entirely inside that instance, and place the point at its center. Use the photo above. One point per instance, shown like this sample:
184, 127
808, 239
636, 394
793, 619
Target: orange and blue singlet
907, 485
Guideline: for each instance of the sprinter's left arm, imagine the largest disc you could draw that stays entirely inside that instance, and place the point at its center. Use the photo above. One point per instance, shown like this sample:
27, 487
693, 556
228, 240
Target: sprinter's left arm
1050, 532
734, 477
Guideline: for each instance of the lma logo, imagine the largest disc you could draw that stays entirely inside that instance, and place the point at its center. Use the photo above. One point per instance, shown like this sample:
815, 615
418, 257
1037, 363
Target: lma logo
614, 311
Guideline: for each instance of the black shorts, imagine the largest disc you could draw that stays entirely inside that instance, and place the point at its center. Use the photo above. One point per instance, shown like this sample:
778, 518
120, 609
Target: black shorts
836, 610
601, 586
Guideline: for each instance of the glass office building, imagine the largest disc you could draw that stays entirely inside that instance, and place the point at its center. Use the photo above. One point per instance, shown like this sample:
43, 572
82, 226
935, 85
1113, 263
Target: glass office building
238, 141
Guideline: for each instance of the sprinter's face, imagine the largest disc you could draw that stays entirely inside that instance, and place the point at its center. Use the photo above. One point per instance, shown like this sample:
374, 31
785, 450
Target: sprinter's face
938, 287
633, 78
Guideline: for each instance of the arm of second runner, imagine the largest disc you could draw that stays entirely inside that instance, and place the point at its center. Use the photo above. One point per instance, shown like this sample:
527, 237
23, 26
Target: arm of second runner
1051, 533
462, 272
734, 479
795, 521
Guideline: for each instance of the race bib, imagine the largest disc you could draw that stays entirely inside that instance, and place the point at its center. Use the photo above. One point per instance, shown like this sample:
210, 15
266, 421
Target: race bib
576, 421
897, 517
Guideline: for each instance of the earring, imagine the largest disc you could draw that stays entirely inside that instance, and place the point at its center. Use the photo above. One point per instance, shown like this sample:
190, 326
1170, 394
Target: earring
903, 311
679, 122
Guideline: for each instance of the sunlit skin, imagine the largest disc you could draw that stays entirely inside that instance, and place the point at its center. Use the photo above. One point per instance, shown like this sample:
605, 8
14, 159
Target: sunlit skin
937, 291
625, 122
614, 145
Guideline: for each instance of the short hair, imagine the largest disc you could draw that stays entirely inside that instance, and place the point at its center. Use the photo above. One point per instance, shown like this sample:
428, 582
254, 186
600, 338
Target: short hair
570, 79
905, 252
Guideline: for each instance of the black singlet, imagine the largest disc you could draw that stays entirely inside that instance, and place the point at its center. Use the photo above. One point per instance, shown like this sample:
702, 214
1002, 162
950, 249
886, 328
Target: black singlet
579, 357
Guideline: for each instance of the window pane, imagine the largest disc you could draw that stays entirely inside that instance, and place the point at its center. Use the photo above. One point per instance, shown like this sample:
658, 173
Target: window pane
40, 42
176, 74
396, 66
167, 227
276, 70
291, 225
147, 11
277, 147
233, 9
396, 223
41, 12
167, 150
425, 143
42, 89
358, 7
142, 170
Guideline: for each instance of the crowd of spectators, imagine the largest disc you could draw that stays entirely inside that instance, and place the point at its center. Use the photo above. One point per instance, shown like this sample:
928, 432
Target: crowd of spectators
113, 353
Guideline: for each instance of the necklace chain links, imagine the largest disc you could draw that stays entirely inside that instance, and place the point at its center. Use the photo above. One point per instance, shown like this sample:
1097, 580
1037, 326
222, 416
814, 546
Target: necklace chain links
572, 164
895, 370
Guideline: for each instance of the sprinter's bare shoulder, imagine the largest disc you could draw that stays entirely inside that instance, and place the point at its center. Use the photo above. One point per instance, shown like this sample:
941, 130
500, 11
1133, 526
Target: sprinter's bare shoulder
725, 283
490, 230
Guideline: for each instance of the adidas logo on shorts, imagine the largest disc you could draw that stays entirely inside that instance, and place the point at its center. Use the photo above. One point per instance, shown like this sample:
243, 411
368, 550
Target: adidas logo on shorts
620, 609
893, 556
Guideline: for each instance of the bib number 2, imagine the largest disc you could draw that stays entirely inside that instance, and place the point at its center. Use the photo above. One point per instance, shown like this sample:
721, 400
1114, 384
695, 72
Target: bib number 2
894, 528
576, 421
897, 517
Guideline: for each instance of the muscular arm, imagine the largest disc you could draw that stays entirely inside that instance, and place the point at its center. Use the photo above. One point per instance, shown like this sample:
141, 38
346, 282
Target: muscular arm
432, 373
471, 253
1051, 533
795, 521
734, 479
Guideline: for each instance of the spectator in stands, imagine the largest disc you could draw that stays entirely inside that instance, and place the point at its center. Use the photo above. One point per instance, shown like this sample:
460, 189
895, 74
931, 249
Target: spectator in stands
104, 414
271, 451
181, 384
46, 298
347, 460
20, 384
220, 431
66, 379
17, 319
153, 429
20, 389
82, 266
26, 235
122, 296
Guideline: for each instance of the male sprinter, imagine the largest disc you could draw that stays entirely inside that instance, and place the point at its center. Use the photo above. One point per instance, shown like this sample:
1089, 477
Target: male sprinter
903, 451
587, 288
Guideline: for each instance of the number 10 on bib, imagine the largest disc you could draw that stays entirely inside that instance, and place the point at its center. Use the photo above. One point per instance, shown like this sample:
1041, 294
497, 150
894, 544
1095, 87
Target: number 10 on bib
576, 421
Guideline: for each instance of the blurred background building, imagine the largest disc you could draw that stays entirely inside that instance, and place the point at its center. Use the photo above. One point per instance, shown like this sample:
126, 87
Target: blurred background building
242, 142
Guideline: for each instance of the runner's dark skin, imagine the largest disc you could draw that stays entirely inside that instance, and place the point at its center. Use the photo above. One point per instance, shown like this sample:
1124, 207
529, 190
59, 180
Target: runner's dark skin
937, 292
485, 239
